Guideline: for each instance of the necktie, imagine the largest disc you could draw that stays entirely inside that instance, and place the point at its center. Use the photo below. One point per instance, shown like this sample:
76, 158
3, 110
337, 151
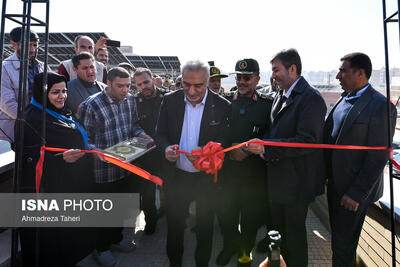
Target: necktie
278, 107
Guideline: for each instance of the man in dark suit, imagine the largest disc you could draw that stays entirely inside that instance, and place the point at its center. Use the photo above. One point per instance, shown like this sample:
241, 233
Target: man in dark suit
190, 118
295, 175
355, 177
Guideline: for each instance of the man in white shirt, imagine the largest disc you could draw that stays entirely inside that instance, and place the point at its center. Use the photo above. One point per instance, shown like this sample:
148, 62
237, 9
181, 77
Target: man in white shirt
190, 118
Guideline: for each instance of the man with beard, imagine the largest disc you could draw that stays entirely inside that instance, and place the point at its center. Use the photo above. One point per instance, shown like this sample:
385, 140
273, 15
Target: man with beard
214, 82
102, 55
294, 175
148, 102
10, 81
242, 196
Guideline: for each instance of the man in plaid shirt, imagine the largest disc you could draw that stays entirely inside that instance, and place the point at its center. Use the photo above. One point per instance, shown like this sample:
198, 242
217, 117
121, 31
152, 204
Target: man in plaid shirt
110, 117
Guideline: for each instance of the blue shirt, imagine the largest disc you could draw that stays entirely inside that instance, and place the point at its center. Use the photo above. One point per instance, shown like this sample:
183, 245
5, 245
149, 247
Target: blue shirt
33, 70
287, 94
190, 132
109, 122
343, 108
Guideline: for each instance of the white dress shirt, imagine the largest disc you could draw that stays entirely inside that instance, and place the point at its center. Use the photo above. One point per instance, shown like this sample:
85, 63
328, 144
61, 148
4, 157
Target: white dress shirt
190, 132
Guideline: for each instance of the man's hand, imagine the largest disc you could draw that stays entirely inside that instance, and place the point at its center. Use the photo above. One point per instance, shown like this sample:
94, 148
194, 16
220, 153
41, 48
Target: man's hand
255, 148
101, 43
238, 154
72, 155
265, 263
190, 157
348, 203
170, 153
147, 137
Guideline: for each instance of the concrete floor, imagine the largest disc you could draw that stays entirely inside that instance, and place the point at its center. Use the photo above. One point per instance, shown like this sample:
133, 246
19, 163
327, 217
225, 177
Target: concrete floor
151, 249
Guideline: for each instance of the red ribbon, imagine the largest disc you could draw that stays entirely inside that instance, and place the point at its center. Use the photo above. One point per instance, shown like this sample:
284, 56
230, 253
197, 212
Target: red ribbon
127, 166
211, 156
209, 159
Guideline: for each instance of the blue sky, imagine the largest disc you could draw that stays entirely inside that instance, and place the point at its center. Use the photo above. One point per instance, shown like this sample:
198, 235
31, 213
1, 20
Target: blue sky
225, 31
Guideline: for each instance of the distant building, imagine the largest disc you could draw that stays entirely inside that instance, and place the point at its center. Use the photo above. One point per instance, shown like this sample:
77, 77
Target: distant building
126, 49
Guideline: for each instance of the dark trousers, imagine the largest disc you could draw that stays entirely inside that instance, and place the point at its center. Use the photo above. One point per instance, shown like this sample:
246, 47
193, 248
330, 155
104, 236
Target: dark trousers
180, 190
111, 235
289, 219
151, 163
62, 247
246, 202
346, 228
147, 192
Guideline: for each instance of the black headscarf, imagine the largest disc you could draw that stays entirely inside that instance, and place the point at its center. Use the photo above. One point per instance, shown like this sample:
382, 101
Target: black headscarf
52, 78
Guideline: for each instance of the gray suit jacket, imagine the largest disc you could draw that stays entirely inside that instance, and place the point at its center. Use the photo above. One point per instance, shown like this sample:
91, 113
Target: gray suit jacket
296, 174
358, 173
78, 93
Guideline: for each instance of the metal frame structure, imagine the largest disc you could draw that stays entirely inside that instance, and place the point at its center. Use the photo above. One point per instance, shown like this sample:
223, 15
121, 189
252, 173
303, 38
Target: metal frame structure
26, 21
387, 20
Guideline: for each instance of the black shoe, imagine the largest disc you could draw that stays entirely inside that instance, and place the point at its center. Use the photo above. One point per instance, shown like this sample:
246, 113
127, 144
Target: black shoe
224, 257
150, 228
262, 246
160, 213
244, 264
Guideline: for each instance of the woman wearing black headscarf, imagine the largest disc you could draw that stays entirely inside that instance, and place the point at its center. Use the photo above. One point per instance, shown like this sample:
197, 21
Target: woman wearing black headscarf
71, 172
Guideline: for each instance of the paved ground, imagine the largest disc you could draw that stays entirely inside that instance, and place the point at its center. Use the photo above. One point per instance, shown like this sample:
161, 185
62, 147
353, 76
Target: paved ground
151, 249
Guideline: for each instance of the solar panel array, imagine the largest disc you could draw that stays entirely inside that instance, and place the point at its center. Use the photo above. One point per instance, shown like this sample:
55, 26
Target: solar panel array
61, 47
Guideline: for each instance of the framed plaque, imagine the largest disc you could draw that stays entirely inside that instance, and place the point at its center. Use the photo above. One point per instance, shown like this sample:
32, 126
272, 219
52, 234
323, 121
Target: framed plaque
131, 149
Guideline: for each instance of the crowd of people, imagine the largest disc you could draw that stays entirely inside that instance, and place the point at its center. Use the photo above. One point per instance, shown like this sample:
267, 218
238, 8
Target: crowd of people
92, 106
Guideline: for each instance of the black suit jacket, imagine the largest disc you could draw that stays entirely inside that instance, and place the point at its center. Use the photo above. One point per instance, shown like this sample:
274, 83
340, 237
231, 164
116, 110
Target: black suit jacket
214, 123
358, 173
296, 174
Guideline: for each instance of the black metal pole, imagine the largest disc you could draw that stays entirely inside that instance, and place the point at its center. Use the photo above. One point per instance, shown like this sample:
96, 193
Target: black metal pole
18, 156
392, 218
44, 97
3, 20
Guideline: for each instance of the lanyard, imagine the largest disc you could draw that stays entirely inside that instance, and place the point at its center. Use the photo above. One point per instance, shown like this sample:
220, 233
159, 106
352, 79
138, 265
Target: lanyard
63, 118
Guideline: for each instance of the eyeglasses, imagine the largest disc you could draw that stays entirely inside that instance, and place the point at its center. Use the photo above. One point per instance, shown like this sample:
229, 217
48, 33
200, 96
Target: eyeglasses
245, 77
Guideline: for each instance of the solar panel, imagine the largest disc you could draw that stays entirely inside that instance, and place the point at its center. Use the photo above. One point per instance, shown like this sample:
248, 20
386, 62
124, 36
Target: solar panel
61, 47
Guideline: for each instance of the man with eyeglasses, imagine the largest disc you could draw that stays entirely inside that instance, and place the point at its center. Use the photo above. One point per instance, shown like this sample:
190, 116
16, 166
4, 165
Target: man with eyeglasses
243, 191
10, 81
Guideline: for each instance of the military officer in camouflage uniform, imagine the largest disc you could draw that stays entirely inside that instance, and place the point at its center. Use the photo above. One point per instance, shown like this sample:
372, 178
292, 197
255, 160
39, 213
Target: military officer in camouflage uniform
148, 102
243, 193
214, 81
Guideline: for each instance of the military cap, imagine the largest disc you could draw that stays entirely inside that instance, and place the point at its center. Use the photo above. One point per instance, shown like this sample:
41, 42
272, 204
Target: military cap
215, 72
246, 66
